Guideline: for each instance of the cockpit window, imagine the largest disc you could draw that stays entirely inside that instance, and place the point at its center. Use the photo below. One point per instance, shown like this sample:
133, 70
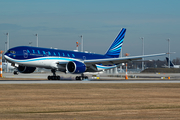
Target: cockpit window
11, 51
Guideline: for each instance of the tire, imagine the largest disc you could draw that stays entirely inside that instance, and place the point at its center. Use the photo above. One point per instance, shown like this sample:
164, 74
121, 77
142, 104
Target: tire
15, 72
49, 77
58, 77
77, 77
80, 78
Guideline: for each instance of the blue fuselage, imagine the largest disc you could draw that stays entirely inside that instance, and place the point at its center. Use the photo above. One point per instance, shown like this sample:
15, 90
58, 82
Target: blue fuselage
27, 52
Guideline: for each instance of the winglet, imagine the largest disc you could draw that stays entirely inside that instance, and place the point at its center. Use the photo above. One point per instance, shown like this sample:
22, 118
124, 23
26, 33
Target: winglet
116, 46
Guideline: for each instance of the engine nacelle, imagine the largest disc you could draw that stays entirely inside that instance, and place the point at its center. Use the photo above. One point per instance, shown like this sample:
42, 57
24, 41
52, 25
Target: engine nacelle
25, 69
76, 67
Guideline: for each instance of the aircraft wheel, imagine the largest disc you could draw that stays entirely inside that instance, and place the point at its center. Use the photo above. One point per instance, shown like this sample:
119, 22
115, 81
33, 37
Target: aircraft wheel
78, 78
15, 72
49, 77
54, 77
58, 77
81, 78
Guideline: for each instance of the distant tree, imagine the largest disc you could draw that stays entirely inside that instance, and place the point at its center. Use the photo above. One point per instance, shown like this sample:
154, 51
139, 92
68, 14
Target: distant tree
147, 64
176, 61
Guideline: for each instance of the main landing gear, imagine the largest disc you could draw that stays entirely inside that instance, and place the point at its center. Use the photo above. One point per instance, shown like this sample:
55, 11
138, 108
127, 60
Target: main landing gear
15, 72
54, 77
82, 77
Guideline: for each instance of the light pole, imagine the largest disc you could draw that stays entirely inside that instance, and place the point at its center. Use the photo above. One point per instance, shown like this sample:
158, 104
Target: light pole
121, 57
168, 52
81, 43
5, 52
37, 46
7, 41
142, 38
5, 46
7, 49
36, 39
121, 52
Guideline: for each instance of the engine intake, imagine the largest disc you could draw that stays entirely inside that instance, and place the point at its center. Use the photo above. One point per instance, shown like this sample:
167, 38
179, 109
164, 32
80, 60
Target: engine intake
76, 67
25, 69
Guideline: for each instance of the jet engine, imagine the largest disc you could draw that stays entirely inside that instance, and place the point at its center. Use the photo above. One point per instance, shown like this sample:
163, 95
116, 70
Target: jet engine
25, 69
75, 67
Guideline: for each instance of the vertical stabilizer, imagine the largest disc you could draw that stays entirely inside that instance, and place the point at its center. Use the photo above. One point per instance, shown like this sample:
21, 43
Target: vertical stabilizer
116, 46
171, 64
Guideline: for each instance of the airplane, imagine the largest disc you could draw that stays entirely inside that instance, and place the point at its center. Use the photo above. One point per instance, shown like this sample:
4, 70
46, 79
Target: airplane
171, 64
27, 58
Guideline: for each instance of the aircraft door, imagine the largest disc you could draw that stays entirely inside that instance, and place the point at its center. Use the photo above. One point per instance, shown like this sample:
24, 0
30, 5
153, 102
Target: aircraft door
47, 54
25, 53
84, 57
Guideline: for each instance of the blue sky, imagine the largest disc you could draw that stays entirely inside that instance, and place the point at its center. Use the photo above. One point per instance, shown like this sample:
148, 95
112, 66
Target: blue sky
59, 23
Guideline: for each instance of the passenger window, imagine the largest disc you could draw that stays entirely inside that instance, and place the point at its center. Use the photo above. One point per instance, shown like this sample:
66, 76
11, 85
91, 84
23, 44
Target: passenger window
54, 53
33, 51
39, 52
73, 55
59, 54
63, 54
68, 55
44, 52
28, 51
49, 53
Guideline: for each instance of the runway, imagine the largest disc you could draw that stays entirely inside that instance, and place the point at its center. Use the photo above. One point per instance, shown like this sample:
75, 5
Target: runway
84, 82
40, 78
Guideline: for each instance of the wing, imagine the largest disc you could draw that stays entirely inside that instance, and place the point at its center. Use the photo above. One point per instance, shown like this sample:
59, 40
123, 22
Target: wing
115, 61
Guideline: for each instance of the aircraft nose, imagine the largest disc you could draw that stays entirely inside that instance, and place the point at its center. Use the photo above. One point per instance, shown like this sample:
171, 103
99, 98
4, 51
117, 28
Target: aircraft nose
5, 56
